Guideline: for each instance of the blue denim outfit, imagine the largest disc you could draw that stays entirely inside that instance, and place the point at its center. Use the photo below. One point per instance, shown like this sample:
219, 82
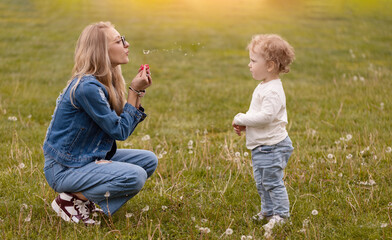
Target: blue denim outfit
79, 135
268, 165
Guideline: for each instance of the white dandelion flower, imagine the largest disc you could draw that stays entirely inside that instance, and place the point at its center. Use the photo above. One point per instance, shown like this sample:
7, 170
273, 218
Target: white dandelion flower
21, 165
229, 231
348, 137
237, 154
330, 156
107, 194
146, 208
13, 119
128, 215
146, 138
384, 225
164, 208
246, 154
314, 212
349, 156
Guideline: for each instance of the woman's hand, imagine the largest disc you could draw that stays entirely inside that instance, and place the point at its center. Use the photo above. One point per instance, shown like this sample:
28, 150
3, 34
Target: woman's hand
143, 79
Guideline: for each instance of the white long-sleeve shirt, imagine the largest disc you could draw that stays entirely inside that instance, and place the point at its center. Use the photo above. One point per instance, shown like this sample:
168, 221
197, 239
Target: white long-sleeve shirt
266, 118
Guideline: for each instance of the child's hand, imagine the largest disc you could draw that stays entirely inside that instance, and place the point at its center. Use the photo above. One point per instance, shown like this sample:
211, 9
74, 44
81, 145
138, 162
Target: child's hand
238, 129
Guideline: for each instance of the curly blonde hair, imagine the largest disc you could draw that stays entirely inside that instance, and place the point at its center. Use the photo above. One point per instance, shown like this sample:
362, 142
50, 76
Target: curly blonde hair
273, 48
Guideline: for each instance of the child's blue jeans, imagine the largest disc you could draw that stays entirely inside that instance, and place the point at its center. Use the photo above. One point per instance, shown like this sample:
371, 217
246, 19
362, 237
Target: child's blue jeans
268, 165
122, 178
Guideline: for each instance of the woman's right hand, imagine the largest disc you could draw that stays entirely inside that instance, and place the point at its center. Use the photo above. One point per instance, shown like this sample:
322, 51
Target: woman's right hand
143, 79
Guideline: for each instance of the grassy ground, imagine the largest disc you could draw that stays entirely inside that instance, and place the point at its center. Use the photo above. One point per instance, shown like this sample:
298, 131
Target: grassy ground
338, 100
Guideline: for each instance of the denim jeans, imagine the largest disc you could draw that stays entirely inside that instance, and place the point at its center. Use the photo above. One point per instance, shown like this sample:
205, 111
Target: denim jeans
122, 178
268, 165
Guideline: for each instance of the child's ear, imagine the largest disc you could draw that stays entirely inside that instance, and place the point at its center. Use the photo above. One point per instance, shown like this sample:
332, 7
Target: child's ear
271, 66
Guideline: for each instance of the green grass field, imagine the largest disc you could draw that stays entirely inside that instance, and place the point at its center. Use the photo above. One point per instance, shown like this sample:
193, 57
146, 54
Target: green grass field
338, 99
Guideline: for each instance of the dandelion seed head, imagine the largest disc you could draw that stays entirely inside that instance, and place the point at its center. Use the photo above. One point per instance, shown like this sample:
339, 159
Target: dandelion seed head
375, 157
337, 142
349, 156
146, 208
205, 131
340, 174
204, 230
21, 165
190, 152
330, 156
160, 156
193, 218
229, 231
146, 138
204, 220
246, 154
237, 154
388, 150
107, 194
128, 215
24, 206
13, 119
29, 116
145, 52
355, 78
208, 168
348, 137
190, 143
314, 212
384, 225
164, 208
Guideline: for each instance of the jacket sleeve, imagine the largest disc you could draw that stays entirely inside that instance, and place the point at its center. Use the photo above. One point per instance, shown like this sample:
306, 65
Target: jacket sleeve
92, 99
269, 109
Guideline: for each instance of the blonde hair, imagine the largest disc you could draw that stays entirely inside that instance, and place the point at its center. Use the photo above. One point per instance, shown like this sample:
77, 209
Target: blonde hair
273, 48
92, 57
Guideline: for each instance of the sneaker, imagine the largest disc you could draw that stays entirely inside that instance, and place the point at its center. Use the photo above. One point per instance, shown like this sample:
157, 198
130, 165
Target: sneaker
275, 220
260, 217
93, 208
70, 208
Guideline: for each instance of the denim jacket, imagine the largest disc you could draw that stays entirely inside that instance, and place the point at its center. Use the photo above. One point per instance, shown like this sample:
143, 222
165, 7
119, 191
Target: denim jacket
79, 135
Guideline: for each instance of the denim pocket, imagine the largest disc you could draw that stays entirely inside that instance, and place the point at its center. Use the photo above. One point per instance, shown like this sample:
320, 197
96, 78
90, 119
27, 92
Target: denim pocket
266, 149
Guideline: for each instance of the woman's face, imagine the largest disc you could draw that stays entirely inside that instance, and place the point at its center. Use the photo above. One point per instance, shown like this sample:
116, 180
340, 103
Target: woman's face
117, 47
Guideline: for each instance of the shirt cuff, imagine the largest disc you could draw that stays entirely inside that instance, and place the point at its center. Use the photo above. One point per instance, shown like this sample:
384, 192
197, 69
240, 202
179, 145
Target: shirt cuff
134, 112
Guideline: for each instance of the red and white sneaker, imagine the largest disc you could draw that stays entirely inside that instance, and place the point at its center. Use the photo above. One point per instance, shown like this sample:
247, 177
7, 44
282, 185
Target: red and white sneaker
71, 208
93, 208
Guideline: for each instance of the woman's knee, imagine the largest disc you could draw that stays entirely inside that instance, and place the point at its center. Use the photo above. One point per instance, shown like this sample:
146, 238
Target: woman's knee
152, 162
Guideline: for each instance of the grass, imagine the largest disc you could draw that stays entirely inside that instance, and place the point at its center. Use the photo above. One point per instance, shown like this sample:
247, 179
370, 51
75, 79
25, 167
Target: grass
339, 86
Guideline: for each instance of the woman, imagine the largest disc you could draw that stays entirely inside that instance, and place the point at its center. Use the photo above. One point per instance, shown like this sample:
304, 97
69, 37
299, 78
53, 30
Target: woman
82, 162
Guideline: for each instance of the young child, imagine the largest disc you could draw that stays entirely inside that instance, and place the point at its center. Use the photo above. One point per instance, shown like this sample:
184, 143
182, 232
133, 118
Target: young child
265, 124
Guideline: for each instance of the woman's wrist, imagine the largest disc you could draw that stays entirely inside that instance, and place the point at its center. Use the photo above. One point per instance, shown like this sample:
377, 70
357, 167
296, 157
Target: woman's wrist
140, 93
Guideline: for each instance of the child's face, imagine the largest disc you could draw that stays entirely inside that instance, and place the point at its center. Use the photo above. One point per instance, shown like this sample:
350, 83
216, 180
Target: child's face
260, 68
